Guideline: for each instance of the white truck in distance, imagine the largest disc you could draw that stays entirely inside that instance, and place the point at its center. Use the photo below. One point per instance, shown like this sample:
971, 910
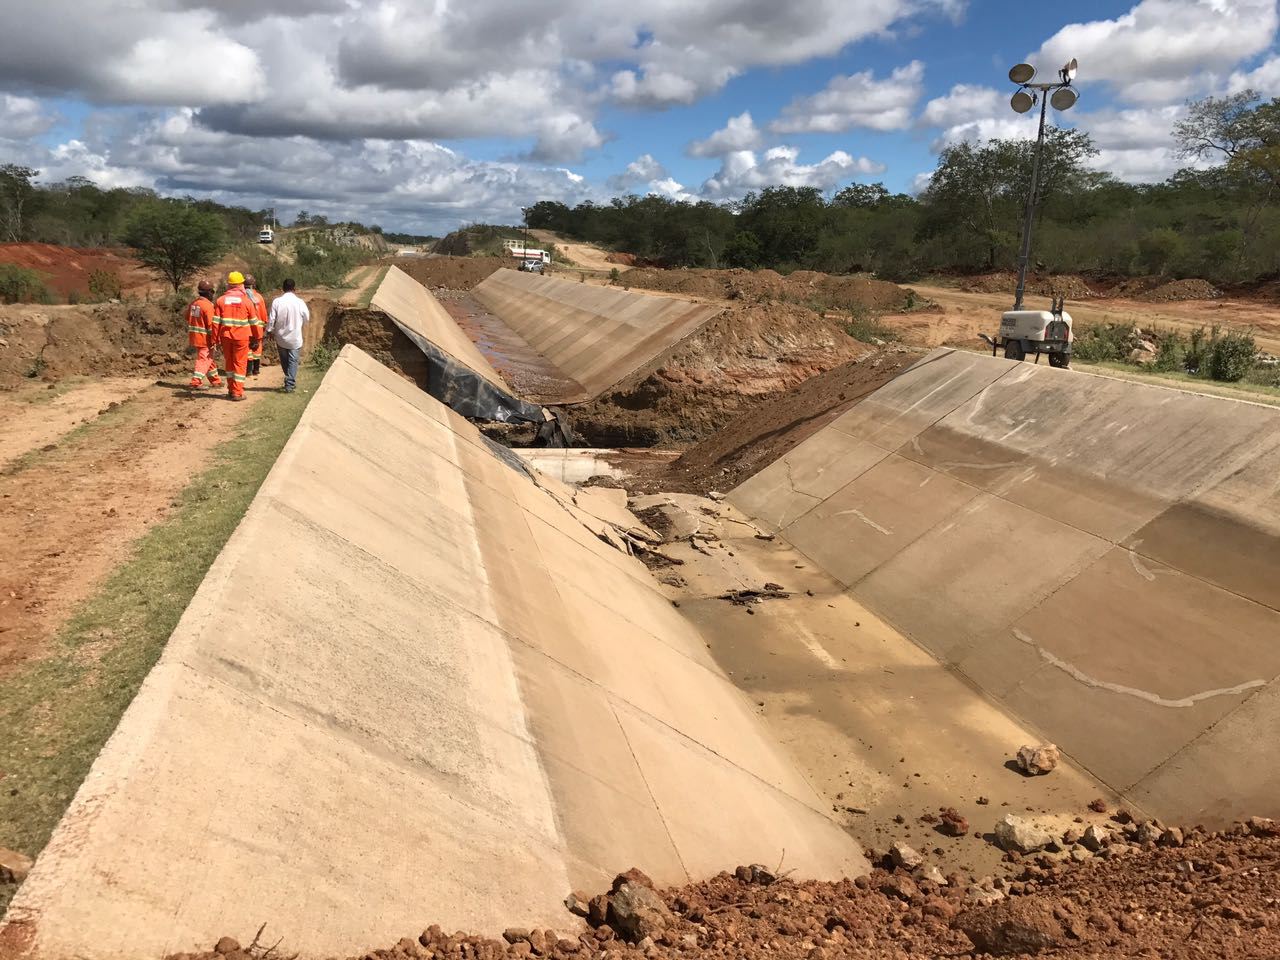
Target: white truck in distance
1024, 332
518, 250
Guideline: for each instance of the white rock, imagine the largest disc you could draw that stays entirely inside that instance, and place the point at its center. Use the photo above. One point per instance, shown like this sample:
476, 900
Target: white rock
1014, 833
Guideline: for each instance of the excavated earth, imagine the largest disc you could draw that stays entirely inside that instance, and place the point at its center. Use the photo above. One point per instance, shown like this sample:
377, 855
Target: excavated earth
451, 273
802, 286
750, 351
1208, 895
765, 432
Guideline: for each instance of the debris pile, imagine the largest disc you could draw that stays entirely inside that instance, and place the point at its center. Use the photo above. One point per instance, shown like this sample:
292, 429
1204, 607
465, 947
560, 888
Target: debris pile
1214, 894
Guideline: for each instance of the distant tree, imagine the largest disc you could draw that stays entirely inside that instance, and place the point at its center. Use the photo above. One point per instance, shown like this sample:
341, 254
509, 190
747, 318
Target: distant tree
303, 219
175, 240
1239, 128
743, 250
861, 195
17, 198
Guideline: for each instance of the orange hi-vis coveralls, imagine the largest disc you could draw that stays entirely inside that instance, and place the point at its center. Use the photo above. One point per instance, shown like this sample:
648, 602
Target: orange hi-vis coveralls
236, 318
202, 333
260, 307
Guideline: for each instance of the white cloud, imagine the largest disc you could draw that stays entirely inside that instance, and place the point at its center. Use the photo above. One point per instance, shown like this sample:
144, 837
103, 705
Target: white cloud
22, 118
739, 133
742, 171
1265, 78
644, 169
964, 103
857, 100
128, 53
1164, 50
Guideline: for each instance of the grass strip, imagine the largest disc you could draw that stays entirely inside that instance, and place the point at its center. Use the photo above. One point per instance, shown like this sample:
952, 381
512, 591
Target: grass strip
56, 713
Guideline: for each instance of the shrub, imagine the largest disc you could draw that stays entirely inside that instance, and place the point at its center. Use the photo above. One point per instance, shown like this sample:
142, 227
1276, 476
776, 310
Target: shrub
1104, 341
865, 326
22, 285
324, 353
1232, 356
104, 285
1169, 353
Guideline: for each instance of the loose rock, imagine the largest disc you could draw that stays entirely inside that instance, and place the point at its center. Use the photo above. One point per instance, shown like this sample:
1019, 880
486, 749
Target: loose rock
1015, 833
1037, 760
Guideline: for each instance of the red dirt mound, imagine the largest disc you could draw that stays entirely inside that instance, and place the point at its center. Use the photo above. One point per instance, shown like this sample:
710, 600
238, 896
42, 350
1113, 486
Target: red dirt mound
1191, 289
451, 273
68, 269
818, 290
1043, 285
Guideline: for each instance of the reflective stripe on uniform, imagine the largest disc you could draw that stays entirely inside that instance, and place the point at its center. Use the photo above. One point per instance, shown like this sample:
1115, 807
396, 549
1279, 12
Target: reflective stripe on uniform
231, 322
237, 377
191, 329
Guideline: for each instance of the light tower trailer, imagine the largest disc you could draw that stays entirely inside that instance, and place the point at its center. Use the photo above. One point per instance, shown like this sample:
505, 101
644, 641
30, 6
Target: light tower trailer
1024, 332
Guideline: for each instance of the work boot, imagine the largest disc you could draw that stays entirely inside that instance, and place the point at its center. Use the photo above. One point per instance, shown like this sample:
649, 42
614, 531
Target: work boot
195, 384
215, 381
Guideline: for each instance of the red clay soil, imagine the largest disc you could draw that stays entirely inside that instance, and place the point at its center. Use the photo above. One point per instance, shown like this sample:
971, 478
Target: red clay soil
766, 432
1039, 284
748, 352
803, 286
67, 269
451, 273
52, 342
1213, 897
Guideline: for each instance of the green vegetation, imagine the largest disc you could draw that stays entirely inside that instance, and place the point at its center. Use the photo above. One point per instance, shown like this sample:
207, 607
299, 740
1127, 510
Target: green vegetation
866, 327
480, 240
324, 353
1222, 224
319, 261
100, 658
174, 240
22, 285
1227, 356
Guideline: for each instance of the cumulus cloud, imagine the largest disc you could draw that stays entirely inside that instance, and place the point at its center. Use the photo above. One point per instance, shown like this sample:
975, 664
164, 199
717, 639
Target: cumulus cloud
857, 100
22, 118
644, 169
1164, 50
1264, 78
743, 171
739, 133
963, 104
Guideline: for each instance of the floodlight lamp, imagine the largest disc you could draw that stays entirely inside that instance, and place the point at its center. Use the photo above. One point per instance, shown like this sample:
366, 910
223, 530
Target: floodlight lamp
1068, 71
1022, 102
1064, 98
1022, 73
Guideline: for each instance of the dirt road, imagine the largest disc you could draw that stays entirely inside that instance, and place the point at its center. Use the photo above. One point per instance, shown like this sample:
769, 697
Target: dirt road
964, 314
84, 476
584, 255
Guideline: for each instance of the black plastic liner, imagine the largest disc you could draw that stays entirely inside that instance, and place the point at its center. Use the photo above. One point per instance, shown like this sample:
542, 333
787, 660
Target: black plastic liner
467, 393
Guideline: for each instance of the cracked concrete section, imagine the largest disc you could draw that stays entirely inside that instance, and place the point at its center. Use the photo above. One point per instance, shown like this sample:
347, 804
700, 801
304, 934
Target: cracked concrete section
594, 335
460, 705
1100, 557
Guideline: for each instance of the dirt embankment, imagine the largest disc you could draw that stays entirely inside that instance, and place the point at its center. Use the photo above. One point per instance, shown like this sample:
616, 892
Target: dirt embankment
377, 335
53, 342
767, 431
451, 273
67, 269
820, 290
1213, 896
748, 352
1038, 284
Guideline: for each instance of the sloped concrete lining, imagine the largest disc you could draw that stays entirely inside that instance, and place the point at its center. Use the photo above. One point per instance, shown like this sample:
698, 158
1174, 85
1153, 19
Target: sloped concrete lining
420, 315
1100, 557
455, 705
595, 335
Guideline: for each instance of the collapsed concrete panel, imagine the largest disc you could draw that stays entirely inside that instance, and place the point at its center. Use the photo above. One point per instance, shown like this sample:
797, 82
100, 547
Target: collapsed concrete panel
458, 705
1098, 556
595, 335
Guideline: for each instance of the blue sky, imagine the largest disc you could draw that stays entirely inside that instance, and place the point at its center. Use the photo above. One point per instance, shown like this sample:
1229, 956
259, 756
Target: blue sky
424, 114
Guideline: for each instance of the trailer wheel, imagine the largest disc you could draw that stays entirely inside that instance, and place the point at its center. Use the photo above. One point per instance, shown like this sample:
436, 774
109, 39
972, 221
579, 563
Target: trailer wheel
1061, 360
1013, 350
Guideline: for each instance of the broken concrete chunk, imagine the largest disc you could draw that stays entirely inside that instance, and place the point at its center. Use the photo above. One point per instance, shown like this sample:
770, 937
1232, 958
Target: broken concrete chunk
905, 857
1037, 760
636, 912
1015, 833
14, 866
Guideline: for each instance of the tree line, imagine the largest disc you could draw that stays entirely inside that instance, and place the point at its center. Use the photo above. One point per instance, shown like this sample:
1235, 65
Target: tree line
1217, 220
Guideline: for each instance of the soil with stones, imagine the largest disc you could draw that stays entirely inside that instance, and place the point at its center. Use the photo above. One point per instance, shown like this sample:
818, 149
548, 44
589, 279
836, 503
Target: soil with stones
451, 273
748, 352
1038, 284
377, 335
767, 431
1215, 896
50, 343
66, 270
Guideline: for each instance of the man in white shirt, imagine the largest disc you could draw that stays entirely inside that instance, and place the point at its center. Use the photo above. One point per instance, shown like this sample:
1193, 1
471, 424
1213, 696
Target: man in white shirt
288, 314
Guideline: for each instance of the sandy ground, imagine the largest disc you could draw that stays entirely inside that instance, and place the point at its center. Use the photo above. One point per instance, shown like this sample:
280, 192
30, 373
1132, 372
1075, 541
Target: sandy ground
964, 314
67, 518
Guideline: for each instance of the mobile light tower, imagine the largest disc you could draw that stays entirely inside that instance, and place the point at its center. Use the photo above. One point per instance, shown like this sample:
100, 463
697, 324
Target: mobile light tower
1063, 97
1036, 331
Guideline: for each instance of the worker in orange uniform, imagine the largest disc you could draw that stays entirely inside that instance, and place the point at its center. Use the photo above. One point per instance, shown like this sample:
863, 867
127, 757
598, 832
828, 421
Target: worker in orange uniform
202, 333
260, 307
237, 318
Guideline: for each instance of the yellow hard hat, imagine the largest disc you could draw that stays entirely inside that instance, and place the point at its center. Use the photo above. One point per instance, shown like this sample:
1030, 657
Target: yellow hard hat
235, 276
